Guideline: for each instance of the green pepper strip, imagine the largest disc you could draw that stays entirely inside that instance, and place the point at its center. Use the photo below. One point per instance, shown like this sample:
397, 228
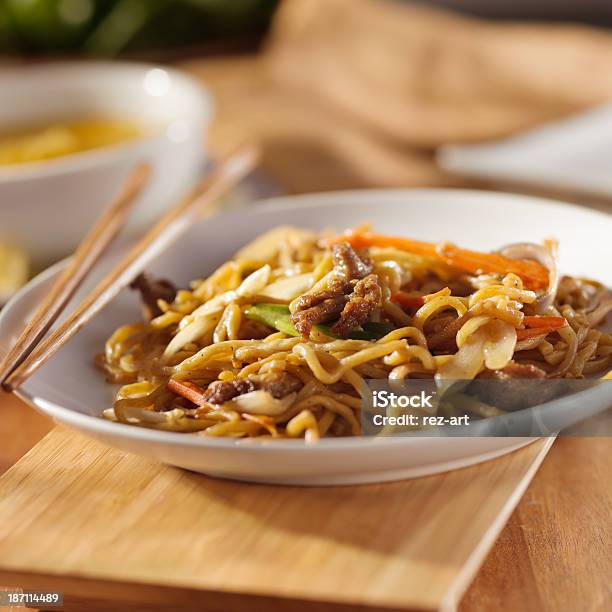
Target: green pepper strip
278, 317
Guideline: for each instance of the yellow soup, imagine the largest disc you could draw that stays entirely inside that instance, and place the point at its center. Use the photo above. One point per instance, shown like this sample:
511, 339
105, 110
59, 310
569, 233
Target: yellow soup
59, 139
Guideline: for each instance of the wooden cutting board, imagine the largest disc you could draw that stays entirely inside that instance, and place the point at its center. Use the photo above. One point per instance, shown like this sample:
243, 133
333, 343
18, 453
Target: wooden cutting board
111, 529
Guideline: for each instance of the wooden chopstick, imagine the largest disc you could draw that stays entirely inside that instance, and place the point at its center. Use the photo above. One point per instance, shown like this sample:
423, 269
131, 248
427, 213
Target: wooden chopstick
227, 173
87, 254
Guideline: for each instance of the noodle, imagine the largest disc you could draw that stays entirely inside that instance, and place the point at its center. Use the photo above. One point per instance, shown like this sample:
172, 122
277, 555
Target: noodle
280, 341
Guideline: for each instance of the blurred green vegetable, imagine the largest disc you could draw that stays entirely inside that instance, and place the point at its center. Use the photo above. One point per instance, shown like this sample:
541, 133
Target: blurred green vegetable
110, 27
53, 25
278, 317
6, 30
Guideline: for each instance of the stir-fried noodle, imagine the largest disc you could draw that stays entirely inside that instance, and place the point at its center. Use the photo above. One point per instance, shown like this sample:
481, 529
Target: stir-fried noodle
278, 341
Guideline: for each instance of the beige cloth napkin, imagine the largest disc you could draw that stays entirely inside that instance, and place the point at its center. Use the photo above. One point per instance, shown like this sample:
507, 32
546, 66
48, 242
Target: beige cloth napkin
353, 93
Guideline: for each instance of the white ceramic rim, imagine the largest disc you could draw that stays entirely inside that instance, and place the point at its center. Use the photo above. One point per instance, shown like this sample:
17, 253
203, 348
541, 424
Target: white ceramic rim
87, 422
68, 164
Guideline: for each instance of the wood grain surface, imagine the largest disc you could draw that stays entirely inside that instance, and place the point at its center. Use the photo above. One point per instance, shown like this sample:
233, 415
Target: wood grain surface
75, 508
20, 428
553, 554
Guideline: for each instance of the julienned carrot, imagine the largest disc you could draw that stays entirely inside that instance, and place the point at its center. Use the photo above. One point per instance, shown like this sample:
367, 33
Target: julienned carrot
405, 300
544, 321
538, 325
194, 393
533, 274
522, 334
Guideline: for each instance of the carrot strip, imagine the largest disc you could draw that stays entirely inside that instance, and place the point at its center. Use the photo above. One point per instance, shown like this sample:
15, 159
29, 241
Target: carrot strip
194, 393
534, 274
538, 321
265, 421
405, 300
522, 334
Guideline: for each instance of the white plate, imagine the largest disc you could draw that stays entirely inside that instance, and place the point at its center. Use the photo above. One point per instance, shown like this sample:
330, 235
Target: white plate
574, 154
73, 392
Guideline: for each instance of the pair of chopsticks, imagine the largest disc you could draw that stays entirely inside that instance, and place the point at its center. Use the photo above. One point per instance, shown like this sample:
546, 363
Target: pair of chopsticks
32, 349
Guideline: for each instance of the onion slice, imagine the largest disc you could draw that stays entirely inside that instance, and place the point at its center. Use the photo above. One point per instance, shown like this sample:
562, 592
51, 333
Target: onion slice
545, 254
262, 402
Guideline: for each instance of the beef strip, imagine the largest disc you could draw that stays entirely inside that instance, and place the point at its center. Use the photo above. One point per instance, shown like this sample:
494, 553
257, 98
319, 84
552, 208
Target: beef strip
337, 287
252, 330
348, 263
341, 296
365, 299
221, 392
445, 338
342, 387
516, 386
327, 310
151, 290
278, 386
516, 370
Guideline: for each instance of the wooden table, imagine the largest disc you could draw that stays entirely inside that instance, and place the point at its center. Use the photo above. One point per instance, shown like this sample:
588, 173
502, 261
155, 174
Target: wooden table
554, 553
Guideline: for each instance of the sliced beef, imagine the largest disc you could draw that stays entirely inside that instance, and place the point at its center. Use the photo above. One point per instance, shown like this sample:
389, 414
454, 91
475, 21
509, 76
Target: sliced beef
352, 293
445, 338
151, 290
221, 392
326, 310
515, 370
338, 287
277, 386
365, 299
252, 330
322, 306
516, 386
348, 263
342, 387
281, 385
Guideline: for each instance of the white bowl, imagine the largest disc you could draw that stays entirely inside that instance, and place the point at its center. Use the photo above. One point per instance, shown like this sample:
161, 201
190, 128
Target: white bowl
47, 206
70, 390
